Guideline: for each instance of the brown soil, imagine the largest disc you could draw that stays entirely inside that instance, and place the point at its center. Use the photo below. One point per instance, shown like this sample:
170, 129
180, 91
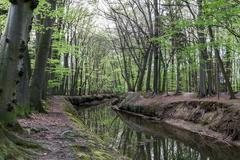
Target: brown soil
213, 116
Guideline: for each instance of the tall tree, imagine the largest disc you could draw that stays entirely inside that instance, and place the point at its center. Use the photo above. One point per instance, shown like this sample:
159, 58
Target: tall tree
156, 48
41, 61
12, 49
202, 50
221, 65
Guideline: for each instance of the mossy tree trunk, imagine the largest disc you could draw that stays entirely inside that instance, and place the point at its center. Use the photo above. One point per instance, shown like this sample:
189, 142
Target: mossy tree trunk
12, 48
23, 89
38, 77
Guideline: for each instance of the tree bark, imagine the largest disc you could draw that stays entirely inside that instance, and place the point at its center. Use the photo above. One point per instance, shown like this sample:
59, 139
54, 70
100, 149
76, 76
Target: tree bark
202, 50
41, 62
156, 49
23, 90
148, 82
13, 46
143, 69
178, 78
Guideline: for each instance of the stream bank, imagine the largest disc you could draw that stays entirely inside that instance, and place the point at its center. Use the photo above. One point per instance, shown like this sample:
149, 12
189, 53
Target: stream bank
217, 120
93, 100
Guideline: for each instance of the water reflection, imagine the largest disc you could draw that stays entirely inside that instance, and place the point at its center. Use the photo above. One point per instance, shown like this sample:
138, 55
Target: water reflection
138, 142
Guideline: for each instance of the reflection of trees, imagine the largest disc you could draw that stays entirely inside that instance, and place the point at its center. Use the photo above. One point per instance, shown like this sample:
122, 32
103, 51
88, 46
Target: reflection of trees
126, 141
148, 147
136, 145
141, 152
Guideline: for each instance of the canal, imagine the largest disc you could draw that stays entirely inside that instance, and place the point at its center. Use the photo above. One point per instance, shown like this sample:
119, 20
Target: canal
141, 139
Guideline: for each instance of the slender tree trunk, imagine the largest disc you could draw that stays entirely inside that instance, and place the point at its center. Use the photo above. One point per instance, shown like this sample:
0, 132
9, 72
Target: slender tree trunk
160, 66
210, 74
189, 78
148, 82
143, 70
66, 77
221, 65
228, 63
172, 74
156, 50
41, 62
178, 78
164, 84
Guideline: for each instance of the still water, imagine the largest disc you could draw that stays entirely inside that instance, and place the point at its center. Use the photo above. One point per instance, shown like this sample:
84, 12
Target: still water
140, 139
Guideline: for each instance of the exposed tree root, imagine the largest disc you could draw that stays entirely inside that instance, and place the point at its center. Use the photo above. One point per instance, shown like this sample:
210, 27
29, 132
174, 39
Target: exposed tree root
13, 147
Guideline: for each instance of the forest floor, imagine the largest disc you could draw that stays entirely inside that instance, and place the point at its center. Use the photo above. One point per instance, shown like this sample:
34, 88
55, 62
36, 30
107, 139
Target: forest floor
64, 135
187, 96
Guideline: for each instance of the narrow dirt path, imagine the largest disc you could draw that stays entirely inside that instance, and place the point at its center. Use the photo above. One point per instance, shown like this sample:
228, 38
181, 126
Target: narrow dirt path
50, 131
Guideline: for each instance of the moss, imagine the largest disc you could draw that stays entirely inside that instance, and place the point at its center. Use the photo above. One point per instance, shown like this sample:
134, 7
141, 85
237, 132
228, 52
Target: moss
85, 152
23, 111
16, 128
83, 130
82, 152
8, 117
83, 156
102, 155
45, 104
13, 147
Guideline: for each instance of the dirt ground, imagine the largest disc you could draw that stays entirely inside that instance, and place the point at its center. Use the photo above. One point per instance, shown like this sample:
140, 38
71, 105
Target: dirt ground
49, 129
171, 97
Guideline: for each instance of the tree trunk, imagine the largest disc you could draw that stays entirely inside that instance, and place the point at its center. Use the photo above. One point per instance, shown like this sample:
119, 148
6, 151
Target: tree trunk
46, 77
221, 65
156, 50
13, 46
178, 78
148, 82
202, 50
160, 65
164, 83
210, 74
228, 62
23, 90
41, 62
143, 70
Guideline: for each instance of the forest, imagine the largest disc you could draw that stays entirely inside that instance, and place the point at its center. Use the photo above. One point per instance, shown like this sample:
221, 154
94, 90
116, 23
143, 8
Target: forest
176, 62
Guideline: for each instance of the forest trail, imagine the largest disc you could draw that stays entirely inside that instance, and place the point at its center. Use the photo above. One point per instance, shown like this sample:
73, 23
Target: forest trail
50, 131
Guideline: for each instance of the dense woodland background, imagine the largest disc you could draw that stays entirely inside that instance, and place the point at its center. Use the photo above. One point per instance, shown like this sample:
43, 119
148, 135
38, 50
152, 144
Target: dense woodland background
83, 47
